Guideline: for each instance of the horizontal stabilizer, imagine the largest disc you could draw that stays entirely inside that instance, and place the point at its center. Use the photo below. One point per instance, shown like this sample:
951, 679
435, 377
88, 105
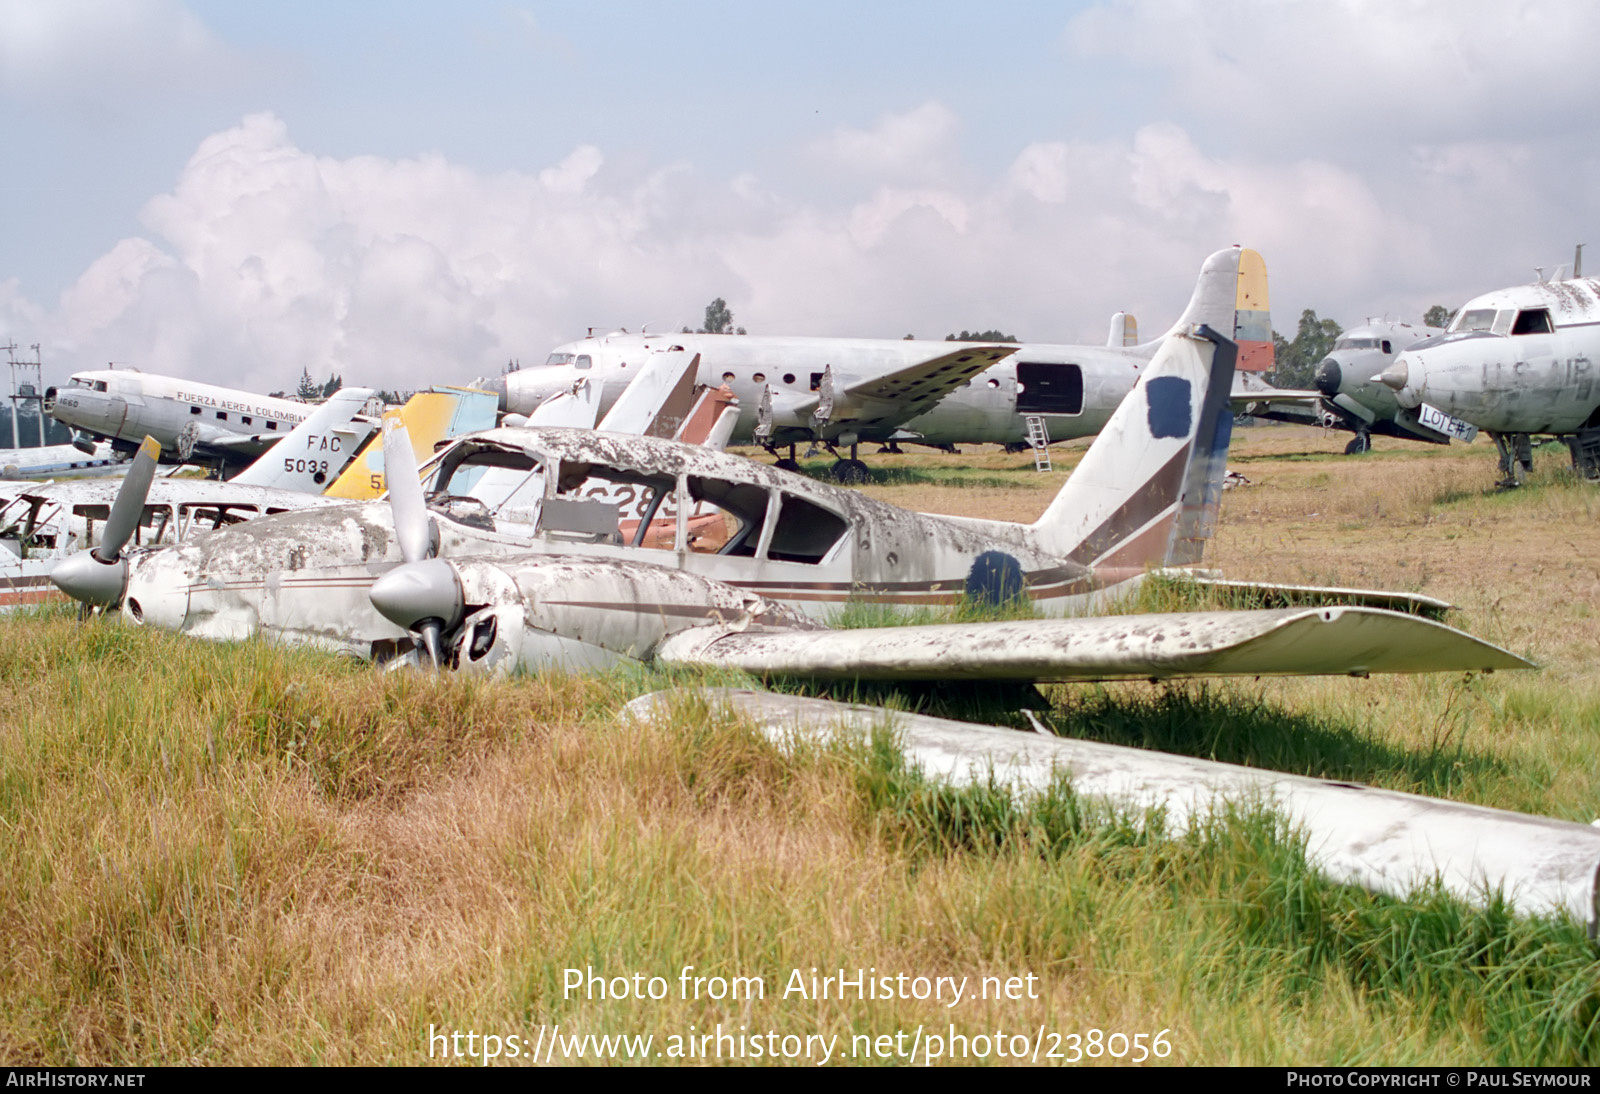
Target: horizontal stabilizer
1382, 840
1284, 642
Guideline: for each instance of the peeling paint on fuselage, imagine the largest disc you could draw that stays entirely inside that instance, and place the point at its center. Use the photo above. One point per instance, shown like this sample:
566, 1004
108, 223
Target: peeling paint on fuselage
306, 575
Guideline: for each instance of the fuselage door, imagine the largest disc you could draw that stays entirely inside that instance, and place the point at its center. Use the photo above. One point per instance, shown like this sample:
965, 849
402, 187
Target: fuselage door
1049, 389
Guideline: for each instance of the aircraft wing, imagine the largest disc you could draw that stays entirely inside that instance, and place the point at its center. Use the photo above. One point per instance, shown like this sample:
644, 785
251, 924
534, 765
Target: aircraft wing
1251, 394
914, 389
1282, 642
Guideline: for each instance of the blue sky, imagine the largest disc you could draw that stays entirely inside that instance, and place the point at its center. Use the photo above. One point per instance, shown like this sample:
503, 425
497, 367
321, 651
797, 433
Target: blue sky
409, 192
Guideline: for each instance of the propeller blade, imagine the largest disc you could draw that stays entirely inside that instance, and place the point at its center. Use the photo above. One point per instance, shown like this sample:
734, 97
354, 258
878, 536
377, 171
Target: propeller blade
129, 506
410, 510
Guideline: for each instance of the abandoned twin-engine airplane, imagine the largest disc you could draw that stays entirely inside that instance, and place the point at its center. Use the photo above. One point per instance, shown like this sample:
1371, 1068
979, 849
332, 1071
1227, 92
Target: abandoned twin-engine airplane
569, 548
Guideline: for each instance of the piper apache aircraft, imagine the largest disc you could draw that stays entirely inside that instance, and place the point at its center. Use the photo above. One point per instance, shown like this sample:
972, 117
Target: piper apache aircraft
841, 391
1515, 362
547, 580
193, 422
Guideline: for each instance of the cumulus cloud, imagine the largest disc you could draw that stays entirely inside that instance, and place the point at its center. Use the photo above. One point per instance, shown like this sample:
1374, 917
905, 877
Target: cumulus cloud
915, 144
1309, 72
265, 258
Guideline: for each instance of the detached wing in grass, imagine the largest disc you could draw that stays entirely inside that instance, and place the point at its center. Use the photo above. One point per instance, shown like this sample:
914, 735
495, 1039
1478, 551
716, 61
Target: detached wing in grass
1382, 840
1287, 642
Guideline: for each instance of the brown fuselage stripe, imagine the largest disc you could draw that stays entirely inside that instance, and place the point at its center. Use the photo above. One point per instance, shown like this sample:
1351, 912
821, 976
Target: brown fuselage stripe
1139, 510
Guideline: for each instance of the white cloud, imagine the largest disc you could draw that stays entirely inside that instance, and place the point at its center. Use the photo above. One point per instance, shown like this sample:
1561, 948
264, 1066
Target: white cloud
911, 145
265, 258
104, 48
1308, 72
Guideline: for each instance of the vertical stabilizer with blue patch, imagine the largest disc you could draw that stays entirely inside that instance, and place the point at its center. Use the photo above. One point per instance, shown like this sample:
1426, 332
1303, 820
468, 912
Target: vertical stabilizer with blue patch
1147, 491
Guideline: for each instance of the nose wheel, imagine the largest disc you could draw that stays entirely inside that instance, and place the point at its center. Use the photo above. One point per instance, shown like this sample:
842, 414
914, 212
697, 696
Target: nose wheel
1359, 444
1516, 459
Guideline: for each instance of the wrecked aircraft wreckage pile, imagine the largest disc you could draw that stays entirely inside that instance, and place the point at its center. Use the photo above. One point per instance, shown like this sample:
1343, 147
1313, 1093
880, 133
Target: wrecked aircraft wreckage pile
562, 548
538, 576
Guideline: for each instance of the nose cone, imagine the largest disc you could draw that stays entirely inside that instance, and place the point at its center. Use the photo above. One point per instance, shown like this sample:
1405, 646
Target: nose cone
1407, 379
1328, 377
89, 581
417, 592
1395, 376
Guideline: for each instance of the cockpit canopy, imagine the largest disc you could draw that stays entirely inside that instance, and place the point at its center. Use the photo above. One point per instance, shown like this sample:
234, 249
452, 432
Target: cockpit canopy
666, 504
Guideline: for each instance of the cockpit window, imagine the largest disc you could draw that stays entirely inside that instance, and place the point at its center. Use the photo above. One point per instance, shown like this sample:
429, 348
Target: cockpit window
78, 381
559, 359
1533, 321
1356, 343
99, 385
583, 361
1476, 319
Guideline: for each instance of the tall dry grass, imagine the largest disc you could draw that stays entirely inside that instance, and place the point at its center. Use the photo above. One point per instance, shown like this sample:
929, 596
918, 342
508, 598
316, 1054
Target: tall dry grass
245, 854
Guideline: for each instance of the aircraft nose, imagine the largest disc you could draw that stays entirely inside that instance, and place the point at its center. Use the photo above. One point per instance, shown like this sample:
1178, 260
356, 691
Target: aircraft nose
1328, 377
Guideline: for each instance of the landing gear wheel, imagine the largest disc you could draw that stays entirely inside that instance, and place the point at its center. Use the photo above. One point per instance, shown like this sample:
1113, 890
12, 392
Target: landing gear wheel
851, 472
787, 464
1360, 443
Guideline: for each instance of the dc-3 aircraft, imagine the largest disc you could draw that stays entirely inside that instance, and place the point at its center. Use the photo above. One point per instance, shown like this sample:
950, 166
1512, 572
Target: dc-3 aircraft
544, 578
193, 422
842, 391
1515, 362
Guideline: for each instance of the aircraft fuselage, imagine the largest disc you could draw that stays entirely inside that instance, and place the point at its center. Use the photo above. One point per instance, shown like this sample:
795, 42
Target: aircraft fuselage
123, 406
1521, 360
1073, 388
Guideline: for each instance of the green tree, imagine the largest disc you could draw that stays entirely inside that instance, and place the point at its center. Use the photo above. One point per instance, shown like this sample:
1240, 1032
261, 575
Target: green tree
1438, 316
980, 336
309, 389
335, 382
1296, 362
719, 320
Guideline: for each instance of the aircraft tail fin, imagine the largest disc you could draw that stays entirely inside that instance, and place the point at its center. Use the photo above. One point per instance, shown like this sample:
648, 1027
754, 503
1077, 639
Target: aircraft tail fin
1147, 491
1231, 299
658, 399
316, 451
1124, 331
711, 422
429, 417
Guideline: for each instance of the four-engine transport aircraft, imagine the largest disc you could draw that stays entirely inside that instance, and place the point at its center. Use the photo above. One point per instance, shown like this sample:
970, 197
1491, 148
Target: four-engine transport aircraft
192, 422
841, 391
1515, 362
552, 583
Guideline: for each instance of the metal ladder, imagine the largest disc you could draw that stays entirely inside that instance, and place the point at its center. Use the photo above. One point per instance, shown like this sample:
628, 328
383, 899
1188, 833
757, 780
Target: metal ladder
1039, 441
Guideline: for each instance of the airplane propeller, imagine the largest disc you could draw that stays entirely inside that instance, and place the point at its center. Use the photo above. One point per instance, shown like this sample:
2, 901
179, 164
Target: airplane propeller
422, 594
97, 576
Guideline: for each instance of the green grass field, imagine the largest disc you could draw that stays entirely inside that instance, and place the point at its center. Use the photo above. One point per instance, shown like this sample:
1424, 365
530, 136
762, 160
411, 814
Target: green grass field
246, 854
